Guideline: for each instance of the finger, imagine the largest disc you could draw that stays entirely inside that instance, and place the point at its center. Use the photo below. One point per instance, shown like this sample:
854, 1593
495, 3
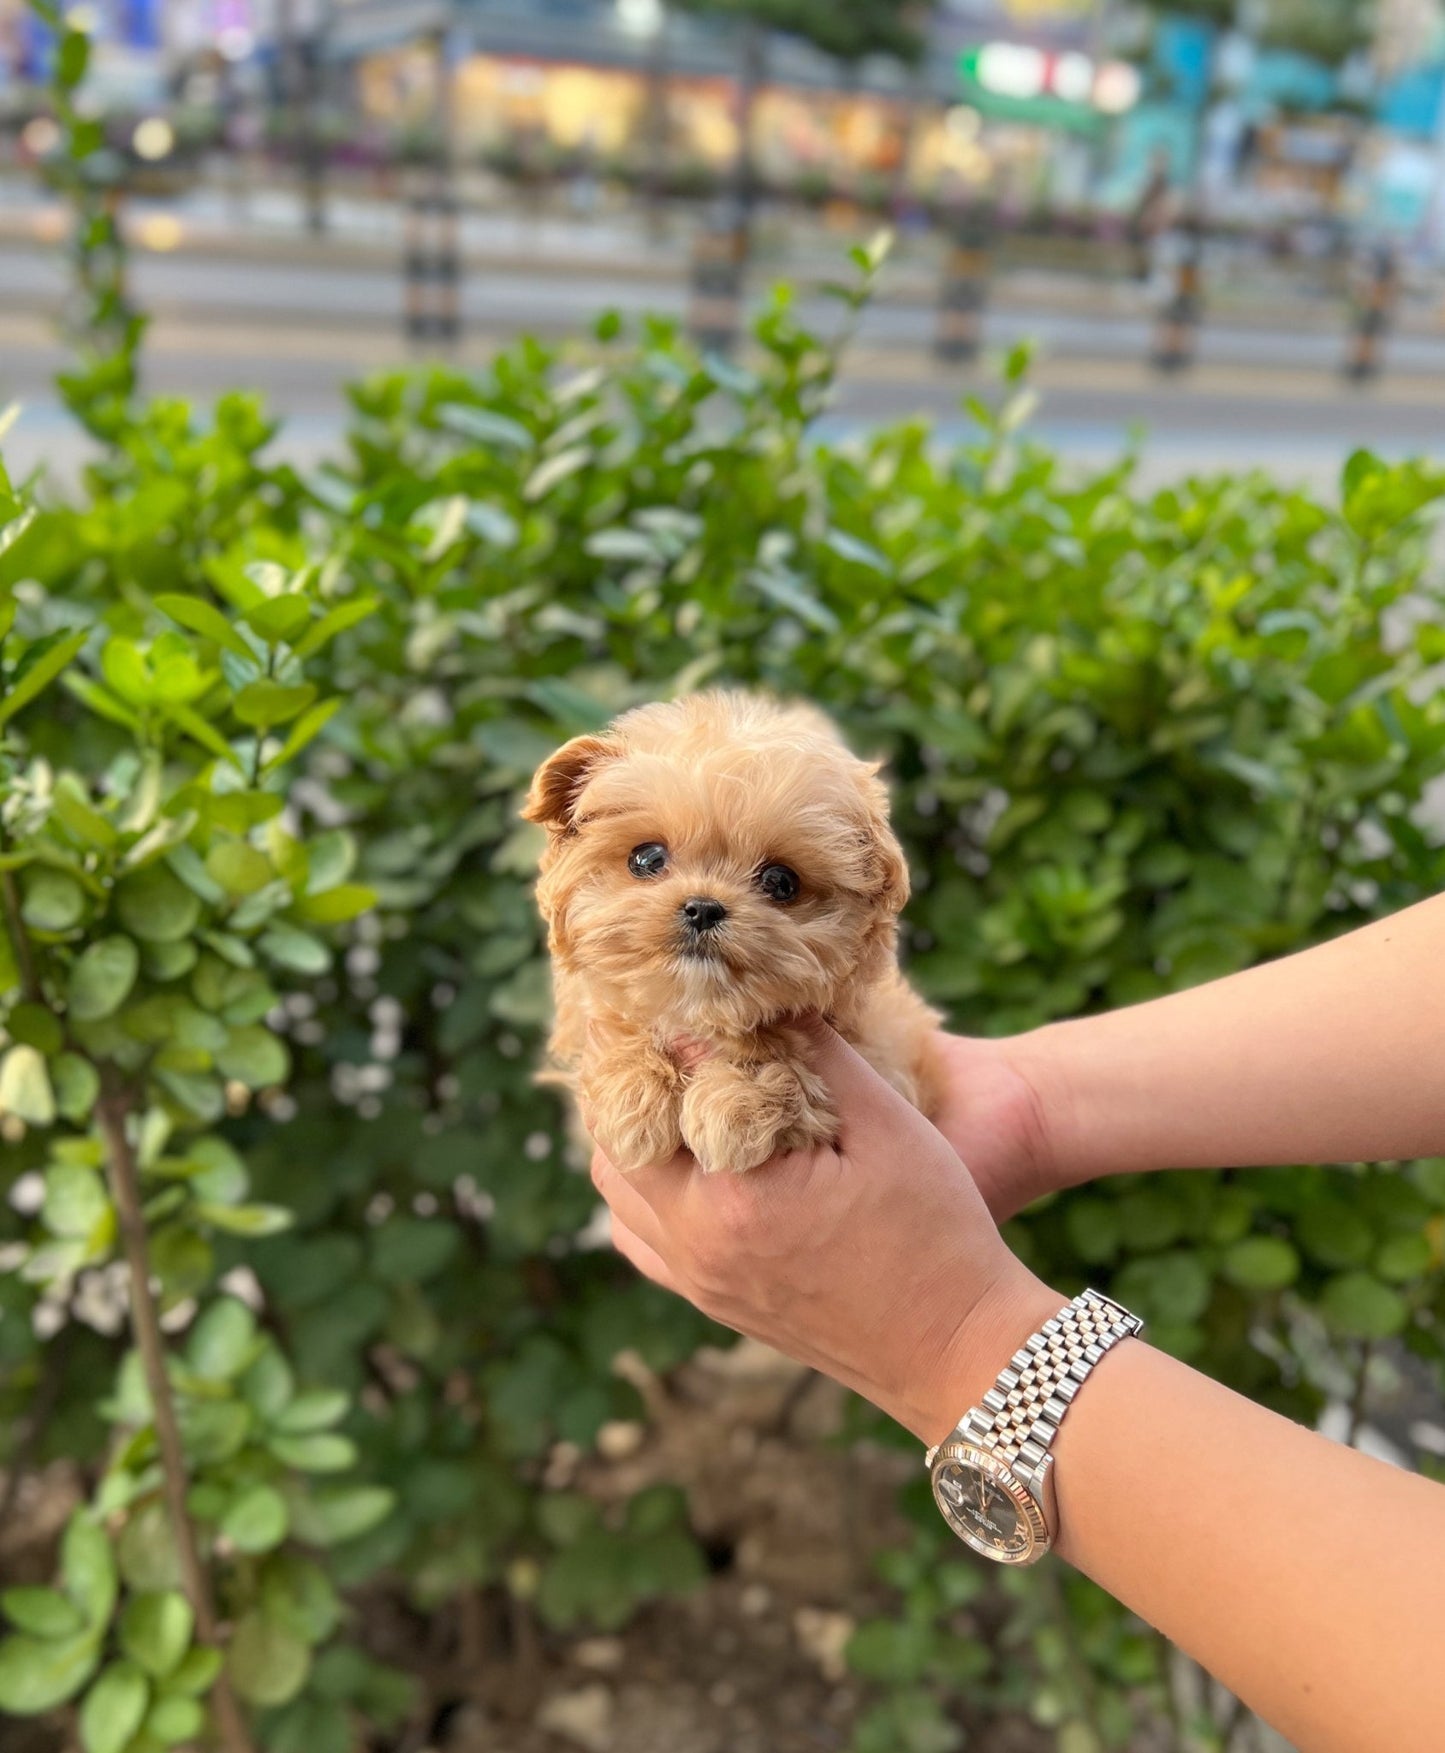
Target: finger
625, 1198
688, 1052
646, 1259
663, 1186
873, 1119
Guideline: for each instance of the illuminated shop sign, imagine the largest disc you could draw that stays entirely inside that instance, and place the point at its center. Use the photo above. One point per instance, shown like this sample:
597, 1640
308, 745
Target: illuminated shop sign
1020, 72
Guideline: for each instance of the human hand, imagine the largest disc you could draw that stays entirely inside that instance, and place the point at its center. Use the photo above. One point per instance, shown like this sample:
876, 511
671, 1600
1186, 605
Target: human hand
875, 1261
994, 1116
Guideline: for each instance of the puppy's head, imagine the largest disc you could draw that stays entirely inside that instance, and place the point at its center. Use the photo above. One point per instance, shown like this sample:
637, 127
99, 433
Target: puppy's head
716, 863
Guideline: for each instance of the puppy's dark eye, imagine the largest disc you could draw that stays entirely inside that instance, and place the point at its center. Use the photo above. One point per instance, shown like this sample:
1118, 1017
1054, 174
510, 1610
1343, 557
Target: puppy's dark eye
649, 860
779, 883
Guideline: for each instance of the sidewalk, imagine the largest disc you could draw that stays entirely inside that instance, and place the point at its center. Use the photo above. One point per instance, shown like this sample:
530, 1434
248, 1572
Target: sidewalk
266, 226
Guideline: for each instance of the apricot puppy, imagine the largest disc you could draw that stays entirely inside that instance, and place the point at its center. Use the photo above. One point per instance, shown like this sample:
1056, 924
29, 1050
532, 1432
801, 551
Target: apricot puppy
715, 869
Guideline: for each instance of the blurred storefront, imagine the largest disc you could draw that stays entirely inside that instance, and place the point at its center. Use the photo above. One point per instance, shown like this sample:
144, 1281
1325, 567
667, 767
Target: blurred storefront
1005, 82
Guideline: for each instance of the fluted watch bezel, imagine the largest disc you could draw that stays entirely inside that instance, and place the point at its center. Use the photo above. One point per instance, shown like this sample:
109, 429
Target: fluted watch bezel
1005, 1443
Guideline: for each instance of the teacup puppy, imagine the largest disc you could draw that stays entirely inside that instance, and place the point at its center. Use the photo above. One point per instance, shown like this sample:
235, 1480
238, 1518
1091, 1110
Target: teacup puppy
716, 869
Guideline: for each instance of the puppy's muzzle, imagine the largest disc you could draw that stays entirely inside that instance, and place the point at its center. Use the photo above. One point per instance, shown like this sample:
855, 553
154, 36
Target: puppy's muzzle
701, 914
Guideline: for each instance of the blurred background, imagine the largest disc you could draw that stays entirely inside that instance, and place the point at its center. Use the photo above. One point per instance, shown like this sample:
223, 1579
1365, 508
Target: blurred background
454, 1478
1224, 221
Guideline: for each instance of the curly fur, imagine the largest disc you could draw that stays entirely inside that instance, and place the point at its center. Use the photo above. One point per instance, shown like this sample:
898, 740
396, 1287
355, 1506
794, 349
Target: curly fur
728, 783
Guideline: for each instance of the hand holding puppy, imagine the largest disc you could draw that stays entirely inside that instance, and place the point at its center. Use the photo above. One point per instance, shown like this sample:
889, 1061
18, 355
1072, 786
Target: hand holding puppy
873, 1259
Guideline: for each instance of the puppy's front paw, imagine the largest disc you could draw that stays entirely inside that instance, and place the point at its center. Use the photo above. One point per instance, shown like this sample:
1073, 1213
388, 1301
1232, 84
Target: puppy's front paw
735, 1117
635, 1115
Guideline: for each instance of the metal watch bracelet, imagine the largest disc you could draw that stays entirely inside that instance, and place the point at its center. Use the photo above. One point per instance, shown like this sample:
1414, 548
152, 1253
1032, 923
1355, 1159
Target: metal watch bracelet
1009, 1436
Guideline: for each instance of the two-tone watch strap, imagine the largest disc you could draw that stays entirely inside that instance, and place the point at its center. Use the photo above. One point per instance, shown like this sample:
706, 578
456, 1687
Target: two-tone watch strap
1020, 1415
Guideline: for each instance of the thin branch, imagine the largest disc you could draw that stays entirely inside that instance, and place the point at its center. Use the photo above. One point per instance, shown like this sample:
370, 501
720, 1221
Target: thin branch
20, 938
1358, 1403
145, 1322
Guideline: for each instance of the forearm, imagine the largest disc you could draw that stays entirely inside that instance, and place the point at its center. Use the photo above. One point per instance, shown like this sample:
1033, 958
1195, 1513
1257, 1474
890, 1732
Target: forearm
1333, 1055
1305, 1576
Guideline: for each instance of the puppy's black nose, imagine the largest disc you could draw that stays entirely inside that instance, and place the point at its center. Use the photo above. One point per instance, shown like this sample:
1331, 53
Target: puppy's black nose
703, 913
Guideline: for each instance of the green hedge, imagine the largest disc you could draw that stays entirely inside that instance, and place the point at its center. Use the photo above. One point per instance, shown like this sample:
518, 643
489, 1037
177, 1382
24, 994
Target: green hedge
274, 974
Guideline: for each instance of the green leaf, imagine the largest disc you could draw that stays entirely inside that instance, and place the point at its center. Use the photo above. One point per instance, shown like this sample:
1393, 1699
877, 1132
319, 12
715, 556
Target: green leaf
246, 1220
485, 426
410, 1250
889, 1651
267, 1663
155, 1631
146, 1547
38, 1674
297, 1594
42, 1612
325, 1452
555, 470
789, 593
305, 730
255, 1057
239, 867
270, 1384
278, 620
77, 1086
39, 675
296, 950
25, 1088
75, 1200
338, 620
1261, 1263
220, 1175
156, 906
173, 1720
256, 1519
1404, 1259
201, 732
87, 1569
330, 1516
334, 906
10, 534
73, 808
197, 1671
330, 859
265, 704
53, 901
204, 618
102, 978
1361, 1307
72, 59
37, 1026
223, 1341
315, 1409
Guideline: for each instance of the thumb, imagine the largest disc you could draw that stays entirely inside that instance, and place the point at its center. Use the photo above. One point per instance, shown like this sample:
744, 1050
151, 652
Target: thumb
872, 1116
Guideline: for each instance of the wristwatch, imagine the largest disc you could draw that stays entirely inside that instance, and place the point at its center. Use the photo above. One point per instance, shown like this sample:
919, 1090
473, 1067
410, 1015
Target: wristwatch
991, 1473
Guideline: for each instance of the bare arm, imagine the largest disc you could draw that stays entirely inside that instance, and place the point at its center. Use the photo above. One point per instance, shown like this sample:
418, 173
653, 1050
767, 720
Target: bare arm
1333, 1055
1305, 1576
1336, 1054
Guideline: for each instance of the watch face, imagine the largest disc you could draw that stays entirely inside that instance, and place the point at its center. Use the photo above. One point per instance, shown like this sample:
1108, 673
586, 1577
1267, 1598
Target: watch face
986, 1506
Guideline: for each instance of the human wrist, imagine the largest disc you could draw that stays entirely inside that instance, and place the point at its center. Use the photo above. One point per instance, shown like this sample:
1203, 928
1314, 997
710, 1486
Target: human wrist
1042, 1062
1012, 1305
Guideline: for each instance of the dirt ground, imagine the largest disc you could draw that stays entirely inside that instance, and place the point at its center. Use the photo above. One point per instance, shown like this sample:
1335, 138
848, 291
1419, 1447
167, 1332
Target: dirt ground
753, 1662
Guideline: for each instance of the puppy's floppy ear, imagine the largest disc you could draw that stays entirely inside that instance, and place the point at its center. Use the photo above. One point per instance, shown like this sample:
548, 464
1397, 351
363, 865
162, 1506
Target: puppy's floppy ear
883, 859
558, 782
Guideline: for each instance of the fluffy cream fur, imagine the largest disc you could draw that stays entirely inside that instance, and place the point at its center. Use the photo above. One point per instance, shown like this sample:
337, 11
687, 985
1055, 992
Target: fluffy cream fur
728, 783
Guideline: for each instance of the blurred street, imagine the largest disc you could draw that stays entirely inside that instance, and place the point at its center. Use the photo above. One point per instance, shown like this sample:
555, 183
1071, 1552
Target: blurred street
294, 319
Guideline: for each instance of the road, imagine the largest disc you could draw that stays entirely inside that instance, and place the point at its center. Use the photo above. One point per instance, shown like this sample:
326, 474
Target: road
297, 329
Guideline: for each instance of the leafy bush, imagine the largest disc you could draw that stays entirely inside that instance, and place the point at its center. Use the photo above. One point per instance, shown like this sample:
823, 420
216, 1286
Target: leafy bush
273, 986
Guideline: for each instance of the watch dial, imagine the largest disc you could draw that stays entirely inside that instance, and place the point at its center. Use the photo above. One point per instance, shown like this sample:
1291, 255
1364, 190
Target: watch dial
982, 1511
